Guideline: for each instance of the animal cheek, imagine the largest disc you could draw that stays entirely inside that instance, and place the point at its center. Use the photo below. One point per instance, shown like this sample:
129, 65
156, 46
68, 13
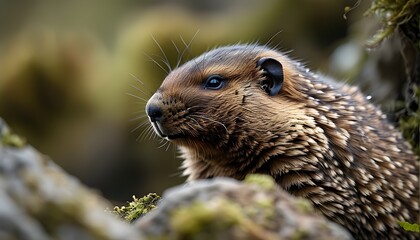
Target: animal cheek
198, 99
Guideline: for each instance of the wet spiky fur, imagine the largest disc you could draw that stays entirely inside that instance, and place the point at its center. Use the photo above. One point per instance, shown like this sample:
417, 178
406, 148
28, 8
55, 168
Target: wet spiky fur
318, 139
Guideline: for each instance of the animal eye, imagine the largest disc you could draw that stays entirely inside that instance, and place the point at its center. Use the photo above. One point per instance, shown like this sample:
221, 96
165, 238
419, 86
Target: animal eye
214, 82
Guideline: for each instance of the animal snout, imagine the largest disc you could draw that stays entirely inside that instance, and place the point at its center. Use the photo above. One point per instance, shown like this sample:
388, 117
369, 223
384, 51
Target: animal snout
154, 112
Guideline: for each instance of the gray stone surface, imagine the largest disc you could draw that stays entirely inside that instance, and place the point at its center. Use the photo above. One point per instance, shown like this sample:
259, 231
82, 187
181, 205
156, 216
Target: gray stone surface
40, 201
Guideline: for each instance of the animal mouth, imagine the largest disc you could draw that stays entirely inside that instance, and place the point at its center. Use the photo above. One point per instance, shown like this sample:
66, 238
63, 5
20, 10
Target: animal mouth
160, 131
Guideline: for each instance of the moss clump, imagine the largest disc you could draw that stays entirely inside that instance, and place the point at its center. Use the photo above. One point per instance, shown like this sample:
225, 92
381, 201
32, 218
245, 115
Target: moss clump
199, 219
138, 207
8, 138
410, 227
393, 14
264, 181
213, 220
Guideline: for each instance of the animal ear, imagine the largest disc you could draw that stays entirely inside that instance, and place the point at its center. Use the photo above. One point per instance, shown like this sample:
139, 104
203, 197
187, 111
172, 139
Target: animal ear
273, 71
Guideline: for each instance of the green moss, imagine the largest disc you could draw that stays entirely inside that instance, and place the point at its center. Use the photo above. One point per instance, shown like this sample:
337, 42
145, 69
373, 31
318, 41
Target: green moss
138, 207
410, 227
10, 139
264, 181
204, 220
215, 220
392, 14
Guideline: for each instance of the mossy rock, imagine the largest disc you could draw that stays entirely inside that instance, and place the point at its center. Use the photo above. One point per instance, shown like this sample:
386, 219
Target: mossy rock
38, 200
224, 208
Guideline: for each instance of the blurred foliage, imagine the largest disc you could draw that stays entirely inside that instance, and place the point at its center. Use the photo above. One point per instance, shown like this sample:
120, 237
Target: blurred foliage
403, 18
47, 77
392, 15
410, 126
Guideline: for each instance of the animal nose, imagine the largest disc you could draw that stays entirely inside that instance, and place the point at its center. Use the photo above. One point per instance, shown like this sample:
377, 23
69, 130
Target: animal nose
154, 112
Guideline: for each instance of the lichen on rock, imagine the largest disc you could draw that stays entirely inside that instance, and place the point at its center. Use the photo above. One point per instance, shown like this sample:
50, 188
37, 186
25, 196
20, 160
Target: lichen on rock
138, 207
8, 138
264, 181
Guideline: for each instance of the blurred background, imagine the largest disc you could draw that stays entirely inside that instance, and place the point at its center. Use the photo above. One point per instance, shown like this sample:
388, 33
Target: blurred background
68, 70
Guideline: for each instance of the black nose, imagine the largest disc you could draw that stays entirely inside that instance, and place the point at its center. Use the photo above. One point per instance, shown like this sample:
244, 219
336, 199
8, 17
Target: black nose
154, 112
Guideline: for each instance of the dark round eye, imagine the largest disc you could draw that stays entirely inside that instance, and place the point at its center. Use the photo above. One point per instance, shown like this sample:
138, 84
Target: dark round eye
214, 82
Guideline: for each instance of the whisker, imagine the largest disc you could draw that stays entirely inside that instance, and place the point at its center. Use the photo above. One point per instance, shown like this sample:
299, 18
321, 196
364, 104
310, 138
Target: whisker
189, 125
193, 107
212, 120
142, 83
198, 106
138, 126
151, 135
178, 54
203, 65
139, 111
163, 144
187, 46
272, 38
169, 144
139, 103
147, 133
163, 61
198, 124
161, 50
176, 47
138, 89
136, 118
178, 173
143, 133
135, 96
192, 128
157, 63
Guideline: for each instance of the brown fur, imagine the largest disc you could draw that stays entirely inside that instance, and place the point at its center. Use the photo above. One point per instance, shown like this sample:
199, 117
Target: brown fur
318, 139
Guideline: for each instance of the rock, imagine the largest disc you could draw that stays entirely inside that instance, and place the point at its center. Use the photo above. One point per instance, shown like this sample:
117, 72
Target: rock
38, 200
223, 208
